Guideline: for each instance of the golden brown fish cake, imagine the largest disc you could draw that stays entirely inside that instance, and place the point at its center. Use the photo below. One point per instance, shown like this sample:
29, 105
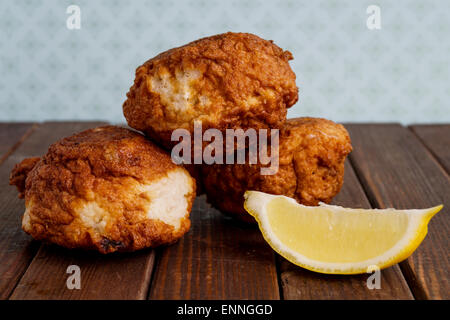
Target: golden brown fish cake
231, 80
311, 168
107, 189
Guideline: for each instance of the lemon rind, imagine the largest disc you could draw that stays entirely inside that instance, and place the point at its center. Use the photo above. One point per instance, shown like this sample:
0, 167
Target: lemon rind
414, 235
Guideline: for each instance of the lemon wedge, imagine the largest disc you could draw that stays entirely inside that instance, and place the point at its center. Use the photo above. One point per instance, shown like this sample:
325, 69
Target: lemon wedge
336, 240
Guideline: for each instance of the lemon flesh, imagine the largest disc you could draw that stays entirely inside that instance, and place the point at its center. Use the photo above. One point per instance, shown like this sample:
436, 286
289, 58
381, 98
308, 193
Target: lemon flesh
337, 240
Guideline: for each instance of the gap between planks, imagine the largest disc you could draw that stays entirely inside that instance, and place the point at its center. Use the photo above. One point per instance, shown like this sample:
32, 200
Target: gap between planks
155, 272
300, 283
45, 276
19, 248
436, 138
12, 135
219, 258
396, 170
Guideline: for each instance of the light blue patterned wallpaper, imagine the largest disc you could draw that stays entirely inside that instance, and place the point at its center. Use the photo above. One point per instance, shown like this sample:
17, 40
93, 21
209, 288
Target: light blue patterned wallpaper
345, 71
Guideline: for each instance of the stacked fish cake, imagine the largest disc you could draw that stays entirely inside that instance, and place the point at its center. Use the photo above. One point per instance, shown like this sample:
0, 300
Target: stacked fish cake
113, 189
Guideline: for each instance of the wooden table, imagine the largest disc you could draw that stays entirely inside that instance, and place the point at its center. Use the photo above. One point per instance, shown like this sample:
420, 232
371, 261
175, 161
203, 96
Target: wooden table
391, 166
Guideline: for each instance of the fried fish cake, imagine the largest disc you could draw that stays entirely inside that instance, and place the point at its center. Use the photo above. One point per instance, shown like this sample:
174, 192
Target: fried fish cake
107, 189
311, 168
231, 80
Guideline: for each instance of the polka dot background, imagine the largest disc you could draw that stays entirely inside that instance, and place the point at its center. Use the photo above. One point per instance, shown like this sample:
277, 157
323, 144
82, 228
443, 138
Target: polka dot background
345, 71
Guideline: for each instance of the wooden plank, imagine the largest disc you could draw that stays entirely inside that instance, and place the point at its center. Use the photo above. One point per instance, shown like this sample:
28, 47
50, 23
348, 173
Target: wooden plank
115, 276
219, 258
11, 134
397, 171
437, 139
17, 247
299, 283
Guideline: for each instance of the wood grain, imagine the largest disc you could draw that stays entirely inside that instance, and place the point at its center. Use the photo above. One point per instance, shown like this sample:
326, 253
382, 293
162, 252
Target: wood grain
17, 248
437, 139
116, 276
299, 283
397, 171
219, 258
223, 259
11, 135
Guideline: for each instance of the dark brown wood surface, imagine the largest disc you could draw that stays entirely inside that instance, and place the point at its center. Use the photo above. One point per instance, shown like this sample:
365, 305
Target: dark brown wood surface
397, 171
102, 276
11, 134
220, 258
437, 139
299, 283
15, 252
114, 276
17, 248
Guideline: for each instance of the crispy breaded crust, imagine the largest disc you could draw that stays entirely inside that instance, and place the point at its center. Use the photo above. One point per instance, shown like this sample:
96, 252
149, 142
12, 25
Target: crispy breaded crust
89, 192
312, 153
19, 174
231, 80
